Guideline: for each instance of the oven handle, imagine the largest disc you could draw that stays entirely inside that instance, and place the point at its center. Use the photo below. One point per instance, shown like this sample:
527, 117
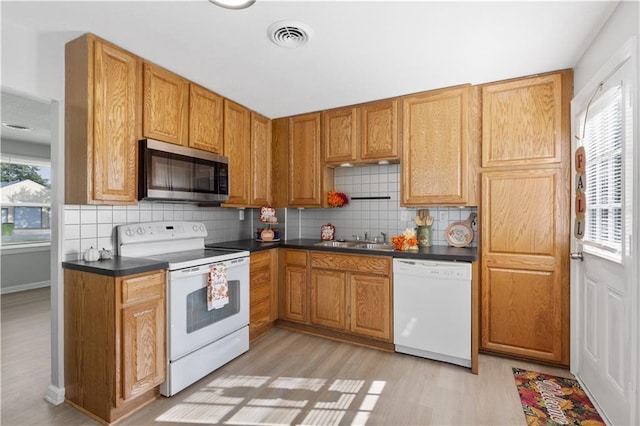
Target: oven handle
203, 269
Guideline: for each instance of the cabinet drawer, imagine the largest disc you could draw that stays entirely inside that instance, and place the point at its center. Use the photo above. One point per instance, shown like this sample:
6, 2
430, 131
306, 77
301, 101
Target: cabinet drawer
295, 257
141, 287
347, 262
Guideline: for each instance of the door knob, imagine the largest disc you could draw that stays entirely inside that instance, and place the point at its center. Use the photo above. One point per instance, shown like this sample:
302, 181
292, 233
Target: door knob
577, 256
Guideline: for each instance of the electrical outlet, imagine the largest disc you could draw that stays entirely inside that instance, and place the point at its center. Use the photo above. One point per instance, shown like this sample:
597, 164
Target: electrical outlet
443, 216
241, 214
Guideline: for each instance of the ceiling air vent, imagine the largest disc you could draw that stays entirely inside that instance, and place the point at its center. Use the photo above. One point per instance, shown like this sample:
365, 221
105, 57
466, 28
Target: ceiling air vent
289, 34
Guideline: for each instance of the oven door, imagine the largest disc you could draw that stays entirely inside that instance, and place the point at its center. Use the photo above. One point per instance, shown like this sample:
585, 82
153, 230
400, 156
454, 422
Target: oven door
190, 324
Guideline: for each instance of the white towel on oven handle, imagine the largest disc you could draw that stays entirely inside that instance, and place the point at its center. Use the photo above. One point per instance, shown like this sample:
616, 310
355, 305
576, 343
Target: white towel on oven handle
217, 287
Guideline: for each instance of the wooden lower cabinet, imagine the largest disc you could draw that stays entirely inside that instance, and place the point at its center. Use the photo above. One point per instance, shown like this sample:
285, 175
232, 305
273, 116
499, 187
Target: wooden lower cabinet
370, 305
352, 293
328, 298
263, 292
293, 297
114, 334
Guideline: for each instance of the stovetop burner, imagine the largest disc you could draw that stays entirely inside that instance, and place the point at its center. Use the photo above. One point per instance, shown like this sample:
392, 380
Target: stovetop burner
179, 243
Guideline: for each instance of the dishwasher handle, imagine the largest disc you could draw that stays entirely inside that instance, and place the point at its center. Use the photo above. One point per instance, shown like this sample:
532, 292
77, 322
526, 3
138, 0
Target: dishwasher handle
432, 269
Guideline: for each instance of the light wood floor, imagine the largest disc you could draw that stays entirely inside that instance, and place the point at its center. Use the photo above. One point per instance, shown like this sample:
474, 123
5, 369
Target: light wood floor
286, 378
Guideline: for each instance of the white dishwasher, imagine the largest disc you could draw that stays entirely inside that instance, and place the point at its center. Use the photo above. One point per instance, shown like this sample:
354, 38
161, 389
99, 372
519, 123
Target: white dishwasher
432, 309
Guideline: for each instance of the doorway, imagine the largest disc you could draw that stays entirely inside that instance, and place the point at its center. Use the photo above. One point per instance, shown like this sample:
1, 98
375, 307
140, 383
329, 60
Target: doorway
604, 281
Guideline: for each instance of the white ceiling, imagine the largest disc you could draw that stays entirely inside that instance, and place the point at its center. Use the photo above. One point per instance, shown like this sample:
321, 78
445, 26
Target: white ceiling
23, 111
360, 50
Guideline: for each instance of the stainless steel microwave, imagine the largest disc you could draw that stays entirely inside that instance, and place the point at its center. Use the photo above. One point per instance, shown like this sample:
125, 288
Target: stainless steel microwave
169, 172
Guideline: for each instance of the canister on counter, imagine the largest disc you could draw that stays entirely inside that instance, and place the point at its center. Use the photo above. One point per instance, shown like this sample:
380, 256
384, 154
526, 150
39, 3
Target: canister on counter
423, 235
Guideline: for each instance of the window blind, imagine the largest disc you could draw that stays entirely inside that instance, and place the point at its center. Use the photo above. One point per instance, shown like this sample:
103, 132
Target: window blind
603, 140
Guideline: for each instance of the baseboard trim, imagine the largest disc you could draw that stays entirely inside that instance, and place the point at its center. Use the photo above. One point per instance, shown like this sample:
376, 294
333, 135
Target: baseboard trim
24, 287
54, 395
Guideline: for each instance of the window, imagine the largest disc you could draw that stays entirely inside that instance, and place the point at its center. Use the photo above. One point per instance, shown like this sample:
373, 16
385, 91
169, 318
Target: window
26, 202
603, 141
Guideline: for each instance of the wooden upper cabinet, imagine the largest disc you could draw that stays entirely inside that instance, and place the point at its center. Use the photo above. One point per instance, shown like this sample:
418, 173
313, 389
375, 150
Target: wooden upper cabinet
102, 112
435, 147
341, 133
260, 160
379, 130
522, 121
237, 147
206, 126
308, 178
166, 104
362, 134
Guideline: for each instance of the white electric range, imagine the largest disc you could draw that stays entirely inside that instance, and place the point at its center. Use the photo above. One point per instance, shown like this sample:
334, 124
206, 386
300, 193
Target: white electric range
199, 340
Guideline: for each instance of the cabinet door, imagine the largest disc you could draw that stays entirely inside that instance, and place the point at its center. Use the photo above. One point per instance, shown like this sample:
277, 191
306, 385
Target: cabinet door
295, 297
370, 305
260, 160
141, 353
205, 120
305, 162
116, 113
525, 285
143, 343
379, 137
341, 133
328, 292
166, 104
237, 146
522, 122
434, 150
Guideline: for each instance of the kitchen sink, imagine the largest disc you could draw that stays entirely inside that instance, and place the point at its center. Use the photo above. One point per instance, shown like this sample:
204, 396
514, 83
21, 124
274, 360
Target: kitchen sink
375, 246
357, 245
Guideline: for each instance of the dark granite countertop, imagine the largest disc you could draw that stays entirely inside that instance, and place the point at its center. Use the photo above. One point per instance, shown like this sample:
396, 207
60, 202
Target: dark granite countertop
461, 254
116, 267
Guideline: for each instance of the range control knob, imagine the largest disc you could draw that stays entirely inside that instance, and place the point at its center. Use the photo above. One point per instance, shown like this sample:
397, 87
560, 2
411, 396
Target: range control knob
195, 228
129, 232
140, 230
202, 229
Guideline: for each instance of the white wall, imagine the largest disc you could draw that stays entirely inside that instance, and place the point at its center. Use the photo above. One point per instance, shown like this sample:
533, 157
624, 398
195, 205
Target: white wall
622, 24
33, 63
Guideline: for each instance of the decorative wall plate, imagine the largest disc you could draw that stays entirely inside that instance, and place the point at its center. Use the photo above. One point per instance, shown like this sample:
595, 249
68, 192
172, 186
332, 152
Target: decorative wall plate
460, 234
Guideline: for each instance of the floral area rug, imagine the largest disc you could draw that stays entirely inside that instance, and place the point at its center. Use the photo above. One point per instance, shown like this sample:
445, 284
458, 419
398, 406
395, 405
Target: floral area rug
550, 400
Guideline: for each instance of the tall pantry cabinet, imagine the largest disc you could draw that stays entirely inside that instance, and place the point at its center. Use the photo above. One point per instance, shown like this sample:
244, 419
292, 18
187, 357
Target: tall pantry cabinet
525, 217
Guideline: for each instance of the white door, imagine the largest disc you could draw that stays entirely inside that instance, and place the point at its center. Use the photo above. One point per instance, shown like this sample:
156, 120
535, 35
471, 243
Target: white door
604, 284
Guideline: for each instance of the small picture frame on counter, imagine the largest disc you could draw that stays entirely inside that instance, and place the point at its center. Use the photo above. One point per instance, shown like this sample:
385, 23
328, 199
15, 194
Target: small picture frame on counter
327, 232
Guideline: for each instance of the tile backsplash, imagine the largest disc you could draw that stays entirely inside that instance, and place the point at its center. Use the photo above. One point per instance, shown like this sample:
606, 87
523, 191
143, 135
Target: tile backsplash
94, 226
87, 226
375, 216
